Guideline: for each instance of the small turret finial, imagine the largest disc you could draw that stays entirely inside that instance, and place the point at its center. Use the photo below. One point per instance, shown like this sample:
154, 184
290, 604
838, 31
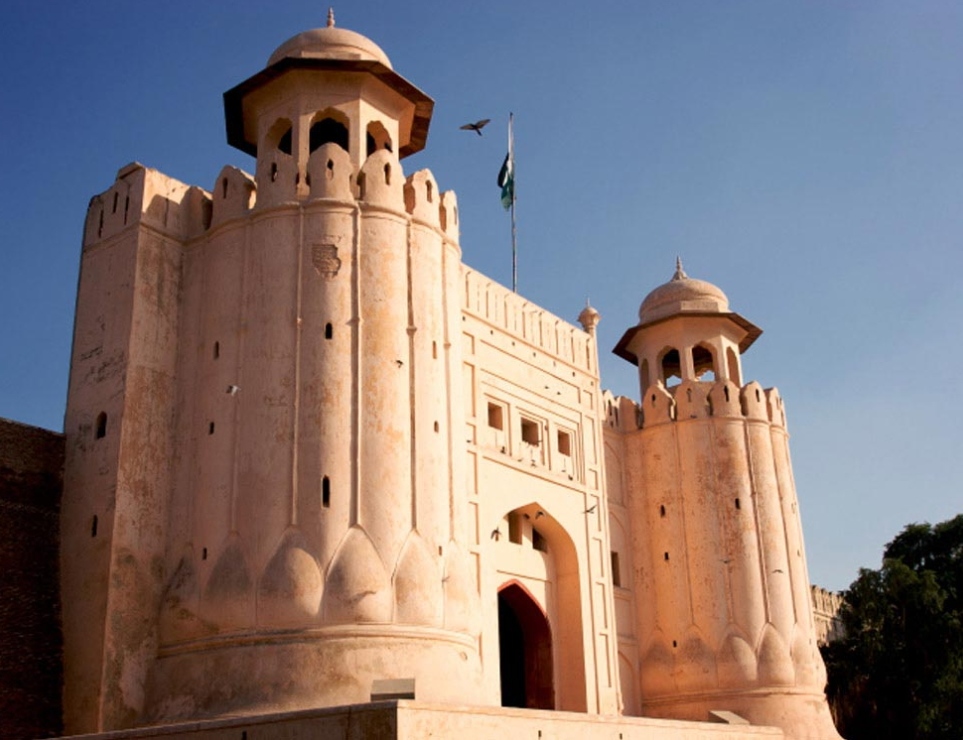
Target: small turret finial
679, 272
330, 17
589, 318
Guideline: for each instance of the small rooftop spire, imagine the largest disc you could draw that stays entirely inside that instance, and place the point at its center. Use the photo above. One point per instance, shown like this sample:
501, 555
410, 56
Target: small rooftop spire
589, 318
679, 272
330, 17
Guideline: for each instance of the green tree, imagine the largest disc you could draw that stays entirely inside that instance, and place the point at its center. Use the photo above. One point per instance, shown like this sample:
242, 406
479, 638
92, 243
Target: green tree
898, 672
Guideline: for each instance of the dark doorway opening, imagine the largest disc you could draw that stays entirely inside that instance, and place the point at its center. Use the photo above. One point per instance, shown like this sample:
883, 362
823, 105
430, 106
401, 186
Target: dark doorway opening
525, 651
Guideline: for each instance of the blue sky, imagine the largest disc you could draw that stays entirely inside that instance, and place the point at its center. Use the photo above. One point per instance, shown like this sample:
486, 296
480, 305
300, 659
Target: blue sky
807, 157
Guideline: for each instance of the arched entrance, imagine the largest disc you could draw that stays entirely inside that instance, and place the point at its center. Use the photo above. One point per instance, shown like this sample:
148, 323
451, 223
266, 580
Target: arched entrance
525, 651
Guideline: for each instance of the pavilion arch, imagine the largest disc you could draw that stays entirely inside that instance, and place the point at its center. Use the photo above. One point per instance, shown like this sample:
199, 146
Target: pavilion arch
330, 126
556, 591
670, 365
279, 136
704, 362
377, 137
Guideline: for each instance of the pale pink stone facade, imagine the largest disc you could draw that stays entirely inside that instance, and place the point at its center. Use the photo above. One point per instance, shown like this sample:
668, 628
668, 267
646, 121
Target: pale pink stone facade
308, 449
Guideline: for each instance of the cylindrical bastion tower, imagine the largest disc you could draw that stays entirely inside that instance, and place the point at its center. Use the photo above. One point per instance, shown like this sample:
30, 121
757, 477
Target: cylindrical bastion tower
724, 617
268, 521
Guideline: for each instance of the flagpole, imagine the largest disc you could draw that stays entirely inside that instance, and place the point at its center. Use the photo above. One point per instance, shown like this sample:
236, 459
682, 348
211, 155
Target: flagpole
511, 156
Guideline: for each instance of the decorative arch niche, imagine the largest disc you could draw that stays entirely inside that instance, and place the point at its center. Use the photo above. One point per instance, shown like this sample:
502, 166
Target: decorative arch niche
560, 586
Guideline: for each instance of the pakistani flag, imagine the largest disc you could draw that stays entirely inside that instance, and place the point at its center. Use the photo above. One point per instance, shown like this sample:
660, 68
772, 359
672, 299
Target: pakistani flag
506, 180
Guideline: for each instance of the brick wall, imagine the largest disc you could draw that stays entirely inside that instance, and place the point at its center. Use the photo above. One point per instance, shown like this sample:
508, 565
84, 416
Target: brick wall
31, 674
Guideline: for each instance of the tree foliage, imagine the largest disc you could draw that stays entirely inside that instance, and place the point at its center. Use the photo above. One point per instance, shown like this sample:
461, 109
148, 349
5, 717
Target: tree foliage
898, 672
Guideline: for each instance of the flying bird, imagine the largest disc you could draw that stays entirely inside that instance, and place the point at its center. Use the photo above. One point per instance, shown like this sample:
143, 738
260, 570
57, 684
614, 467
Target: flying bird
496, 533
233, 389
590, 509
477, 126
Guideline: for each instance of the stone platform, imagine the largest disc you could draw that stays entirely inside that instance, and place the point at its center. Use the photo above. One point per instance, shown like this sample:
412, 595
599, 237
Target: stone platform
415, 720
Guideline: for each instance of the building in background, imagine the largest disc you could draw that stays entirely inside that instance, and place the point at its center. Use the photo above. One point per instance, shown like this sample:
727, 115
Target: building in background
312, 459
826, 606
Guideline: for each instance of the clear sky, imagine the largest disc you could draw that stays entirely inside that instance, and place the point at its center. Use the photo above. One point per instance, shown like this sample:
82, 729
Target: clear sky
807, 157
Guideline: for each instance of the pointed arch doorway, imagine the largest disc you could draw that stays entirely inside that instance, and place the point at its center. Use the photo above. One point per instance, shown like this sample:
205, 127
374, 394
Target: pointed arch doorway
525, 651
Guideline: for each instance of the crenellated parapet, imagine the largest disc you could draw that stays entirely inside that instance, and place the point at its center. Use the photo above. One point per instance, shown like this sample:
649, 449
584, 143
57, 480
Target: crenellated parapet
621, 413
526, 322
331, 176
145, 197
233, 197
694, 399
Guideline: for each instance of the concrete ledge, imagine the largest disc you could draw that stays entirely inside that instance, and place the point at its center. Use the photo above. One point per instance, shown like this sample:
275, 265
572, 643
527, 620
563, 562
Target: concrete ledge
413, 720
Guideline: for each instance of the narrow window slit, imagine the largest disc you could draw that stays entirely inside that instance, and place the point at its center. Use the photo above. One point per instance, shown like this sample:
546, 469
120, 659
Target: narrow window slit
101, 430
328, 331
93, 526
326, 492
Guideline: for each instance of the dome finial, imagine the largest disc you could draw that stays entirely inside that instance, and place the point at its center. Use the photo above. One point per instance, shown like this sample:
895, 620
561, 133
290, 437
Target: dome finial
679, 272
330, 17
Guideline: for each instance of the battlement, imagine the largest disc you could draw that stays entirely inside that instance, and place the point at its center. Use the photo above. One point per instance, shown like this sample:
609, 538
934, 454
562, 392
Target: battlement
145, 196
694, 400
517, 317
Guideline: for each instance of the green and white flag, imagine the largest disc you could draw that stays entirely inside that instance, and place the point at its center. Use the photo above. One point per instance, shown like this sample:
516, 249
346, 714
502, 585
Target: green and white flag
506, 180
506, 175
